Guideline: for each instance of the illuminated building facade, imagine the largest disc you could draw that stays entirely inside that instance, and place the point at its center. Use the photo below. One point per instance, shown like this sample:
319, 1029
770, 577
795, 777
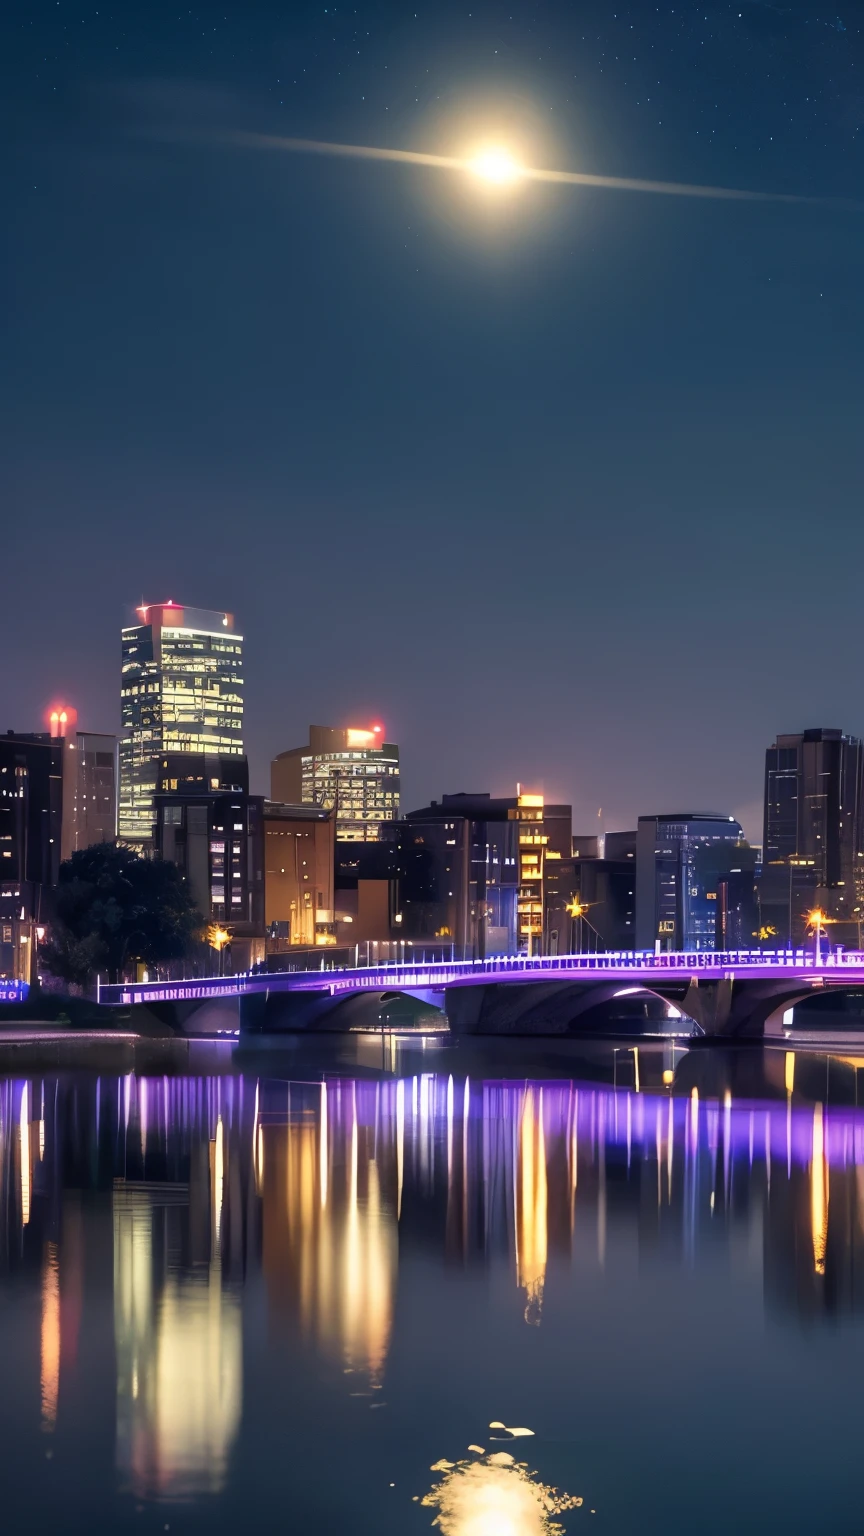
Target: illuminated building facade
299, 844
182, 692
354, 772
813, 834
473, 869
679, 862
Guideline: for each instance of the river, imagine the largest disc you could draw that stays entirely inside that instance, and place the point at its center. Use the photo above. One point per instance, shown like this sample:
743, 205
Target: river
366, 1285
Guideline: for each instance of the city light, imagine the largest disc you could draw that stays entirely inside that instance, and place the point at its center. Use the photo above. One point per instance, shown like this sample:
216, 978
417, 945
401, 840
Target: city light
61, 719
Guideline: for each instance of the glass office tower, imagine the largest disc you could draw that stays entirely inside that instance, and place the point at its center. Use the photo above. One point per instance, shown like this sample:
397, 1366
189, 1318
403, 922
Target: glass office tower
182, 691
680, 862
813, 854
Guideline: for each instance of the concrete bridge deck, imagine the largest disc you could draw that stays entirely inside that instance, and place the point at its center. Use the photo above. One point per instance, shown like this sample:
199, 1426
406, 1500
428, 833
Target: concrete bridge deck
744, 992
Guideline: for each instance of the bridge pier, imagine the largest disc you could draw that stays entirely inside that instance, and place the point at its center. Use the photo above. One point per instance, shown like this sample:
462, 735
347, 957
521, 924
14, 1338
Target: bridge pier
744, 1010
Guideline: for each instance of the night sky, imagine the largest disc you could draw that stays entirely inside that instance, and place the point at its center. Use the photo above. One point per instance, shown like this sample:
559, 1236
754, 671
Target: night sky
563, 485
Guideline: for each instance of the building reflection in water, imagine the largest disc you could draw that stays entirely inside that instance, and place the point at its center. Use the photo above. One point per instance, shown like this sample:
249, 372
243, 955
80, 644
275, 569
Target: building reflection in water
50, 1336
329, 1177
531, 1198
177, 1325
189, 1186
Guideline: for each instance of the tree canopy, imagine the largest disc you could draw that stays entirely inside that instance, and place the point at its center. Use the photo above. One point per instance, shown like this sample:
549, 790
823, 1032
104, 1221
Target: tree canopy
112, 908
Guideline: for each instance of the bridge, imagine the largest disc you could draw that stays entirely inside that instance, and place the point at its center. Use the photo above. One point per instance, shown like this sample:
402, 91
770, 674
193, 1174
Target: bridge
743, 993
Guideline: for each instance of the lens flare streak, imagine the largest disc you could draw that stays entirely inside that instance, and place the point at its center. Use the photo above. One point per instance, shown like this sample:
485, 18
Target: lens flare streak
498, 166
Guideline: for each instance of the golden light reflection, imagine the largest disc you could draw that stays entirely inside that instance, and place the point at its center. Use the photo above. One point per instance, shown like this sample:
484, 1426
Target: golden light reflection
196, 1386
179, 1353
329, 1230
50, 1337
531, 1206
495, 1495
819, 1192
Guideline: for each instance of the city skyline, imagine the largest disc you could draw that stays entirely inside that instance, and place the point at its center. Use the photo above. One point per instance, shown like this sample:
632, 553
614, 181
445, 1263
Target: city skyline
431, 766
356, 401
586, 819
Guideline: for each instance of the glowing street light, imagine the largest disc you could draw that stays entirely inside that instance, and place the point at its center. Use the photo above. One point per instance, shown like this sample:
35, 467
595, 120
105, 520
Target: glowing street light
576, 909
816, 921
217, 938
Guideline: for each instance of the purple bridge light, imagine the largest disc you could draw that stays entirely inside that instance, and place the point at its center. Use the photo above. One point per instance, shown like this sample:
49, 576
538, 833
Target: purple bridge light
841, 967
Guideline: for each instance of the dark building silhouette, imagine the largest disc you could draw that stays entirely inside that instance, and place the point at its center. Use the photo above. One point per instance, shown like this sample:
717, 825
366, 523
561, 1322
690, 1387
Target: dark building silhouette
606, 888
209, 825
31, 812
813, 837
734, 868
475, 870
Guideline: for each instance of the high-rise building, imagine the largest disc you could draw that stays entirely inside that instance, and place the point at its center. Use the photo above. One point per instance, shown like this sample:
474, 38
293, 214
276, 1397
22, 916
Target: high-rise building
591, 897
89, 782
182, 692
209, 825
679, 861
89, 791
814, 834
31, 807
354, 772
475, 870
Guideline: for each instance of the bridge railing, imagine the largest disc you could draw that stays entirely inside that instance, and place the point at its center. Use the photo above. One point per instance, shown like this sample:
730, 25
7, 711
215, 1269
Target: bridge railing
439, 973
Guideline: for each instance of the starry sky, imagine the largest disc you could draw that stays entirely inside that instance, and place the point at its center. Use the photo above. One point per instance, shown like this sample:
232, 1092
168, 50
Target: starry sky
562, 484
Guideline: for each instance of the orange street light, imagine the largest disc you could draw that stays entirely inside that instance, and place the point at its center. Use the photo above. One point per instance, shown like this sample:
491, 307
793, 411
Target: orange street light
816, 921
217, 938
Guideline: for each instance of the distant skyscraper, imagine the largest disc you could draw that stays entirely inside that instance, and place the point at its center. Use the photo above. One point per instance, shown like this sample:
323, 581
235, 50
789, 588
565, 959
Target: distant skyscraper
679, 862
814, 832
355, 771
89, 783
182, 691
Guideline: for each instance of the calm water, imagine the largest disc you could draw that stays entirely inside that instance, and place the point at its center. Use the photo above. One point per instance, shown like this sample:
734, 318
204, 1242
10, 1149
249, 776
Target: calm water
276, 1297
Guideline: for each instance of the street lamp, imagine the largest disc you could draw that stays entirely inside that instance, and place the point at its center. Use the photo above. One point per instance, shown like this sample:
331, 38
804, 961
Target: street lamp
217, 938
576, 909
816, 921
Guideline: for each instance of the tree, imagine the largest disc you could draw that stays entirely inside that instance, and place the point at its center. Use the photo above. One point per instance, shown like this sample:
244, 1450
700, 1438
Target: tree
111, 908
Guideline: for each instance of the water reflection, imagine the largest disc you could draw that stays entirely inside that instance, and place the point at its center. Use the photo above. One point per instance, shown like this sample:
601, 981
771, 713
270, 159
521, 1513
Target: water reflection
495, 1495
174, 1200
329, 1193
